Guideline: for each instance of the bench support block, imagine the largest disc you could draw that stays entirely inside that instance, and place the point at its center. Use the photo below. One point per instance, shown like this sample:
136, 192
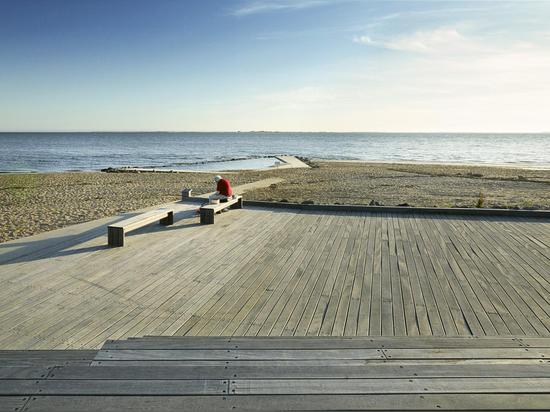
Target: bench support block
168, 220
207, 216
208, 212
115, 236
238, 205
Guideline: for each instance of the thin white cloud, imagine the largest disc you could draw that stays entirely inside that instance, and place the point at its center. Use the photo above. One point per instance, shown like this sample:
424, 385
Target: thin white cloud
444, 39
265, 6
436, 12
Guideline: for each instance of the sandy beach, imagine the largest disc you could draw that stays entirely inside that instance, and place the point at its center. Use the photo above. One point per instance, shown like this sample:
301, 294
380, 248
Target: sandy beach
34, 203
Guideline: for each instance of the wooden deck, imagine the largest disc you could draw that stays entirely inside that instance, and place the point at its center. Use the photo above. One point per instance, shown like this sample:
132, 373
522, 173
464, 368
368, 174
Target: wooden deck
282, 373
278, 273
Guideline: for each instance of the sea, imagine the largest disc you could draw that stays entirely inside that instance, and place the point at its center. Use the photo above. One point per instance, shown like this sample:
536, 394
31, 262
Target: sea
57, 152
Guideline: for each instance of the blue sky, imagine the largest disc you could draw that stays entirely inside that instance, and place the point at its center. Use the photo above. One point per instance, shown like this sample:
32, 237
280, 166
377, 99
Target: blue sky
300, 65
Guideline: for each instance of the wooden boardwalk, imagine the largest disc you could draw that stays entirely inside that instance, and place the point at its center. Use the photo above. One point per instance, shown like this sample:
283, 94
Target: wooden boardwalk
278, 273
282, 373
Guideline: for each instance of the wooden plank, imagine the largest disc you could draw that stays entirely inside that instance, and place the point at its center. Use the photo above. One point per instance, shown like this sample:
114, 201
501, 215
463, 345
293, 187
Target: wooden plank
391, 402
356, 342
402, 272
242, 354
398, 302
18, 387
318, 362
466, 402
12, 403
382, 370
129, 403
388, 326
23, 372
478, 353
386, 386
106, 387
375, 322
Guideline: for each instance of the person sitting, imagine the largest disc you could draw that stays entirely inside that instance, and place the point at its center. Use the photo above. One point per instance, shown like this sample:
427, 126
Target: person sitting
223, 189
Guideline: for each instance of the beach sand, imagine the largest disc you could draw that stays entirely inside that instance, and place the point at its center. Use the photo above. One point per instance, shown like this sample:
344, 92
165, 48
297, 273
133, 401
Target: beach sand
34, 203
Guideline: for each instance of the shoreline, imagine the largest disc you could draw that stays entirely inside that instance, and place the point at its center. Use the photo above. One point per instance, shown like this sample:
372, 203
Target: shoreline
435, 163
130, 169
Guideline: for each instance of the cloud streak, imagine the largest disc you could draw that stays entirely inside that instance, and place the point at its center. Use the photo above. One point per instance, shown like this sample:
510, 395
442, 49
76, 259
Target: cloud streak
266, 6
431, 41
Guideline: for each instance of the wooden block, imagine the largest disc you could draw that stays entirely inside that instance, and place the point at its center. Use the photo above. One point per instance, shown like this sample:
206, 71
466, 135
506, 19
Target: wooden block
115, 236
168, 220
186, 193
207, 216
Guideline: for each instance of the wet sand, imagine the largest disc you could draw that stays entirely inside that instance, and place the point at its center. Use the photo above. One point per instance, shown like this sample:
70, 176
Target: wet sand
34, 203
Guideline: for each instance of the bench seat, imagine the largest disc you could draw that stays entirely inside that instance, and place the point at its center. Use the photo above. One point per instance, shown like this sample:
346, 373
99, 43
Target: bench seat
117, 231
209, 211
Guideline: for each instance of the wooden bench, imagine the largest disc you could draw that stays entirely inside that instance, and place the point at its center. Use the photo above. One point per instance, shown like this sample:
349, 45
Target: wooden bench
117, 231
209, 211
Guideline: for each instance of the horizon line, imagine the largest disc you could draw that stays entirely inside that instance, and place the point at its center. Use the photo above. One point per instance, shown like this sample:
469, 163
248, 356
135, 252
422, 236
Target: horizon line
269, 131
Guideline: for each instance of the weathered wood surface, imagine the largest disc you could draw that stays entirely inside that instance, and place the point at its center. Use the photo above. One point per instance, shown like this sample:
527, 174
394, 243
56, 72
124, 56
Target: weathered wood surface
188, 380
279, 273
116, 232
208, 212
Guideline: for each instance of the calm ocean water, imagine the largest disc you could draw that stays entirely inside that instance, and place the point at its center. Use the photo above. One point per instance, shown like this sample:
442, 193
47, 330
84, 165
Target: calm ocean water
93, 151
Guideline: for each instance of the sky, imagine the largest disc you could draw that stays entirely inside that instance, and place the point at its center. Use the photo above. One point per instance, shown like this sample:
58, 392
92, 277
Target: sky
281, 65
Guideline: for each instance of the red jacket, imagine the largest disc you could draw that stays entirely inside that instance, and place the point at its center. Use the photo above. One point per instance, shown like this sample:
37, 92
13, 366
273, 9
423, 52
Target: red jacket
224, 187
